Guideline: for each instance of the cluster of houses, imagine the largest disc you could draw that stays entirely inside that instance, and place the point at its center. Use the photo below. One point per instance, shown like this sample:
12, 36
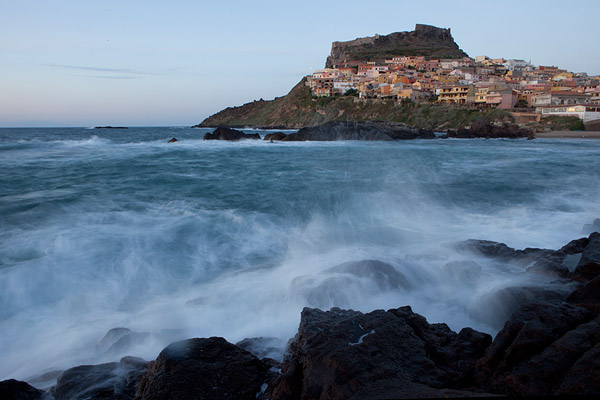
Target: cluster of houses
480, 82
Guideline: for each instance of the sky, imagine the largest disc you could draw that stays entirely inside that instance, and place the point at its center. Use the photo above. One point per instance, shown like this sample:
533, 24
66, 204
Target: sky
158, 63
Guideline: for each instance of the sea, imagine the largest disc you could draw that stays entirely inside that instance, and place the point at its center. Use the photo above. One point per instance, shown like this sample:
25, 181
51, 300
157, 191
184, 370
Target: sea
109, 228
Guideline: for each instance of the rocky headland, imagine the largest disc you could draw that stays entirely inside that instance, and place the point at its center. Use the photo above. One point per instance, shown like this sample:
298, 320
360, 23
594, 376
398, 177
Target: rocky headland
425, 40
549, 345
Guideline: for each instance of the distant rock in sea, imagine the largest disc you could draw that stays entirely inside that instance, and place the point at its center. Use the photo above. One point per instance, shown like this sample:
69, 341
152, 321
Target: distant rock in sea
222, 133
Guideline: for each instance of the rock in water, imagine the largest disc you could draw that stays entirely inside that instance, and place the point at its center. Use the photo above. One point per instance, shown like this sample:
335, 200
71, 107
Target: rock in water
345, 354
173, 140
203, 369
363, 130
104, 381
275, 136
222, 133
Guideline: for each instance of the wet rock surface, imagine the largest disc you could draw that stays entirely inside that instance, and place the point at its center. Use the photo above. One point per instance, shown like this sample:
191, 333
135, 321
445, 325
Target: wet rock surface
352, 130
203, 368
103, 381
543, 349
223, 133
344, 354
550, 344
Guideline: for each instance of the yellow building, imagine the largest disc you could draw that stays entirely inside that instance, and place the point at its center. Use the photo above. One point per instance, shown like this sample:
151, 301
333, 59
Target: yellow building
454, 94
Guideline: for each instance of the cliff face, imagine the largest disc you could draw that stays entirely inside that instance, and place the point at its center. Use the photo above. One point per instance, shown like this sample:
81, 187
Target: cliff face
425, 40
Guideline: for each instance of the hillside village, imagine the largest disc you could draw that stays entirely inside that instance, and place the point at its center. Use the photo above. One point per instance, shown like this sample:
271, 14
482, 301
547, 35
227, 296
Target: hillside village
481, 82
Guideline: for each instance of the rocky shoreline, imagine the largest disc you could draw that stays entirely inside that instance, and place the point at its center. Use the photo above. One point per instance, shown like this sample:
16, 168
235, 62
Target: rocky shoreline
374, 131
550, 345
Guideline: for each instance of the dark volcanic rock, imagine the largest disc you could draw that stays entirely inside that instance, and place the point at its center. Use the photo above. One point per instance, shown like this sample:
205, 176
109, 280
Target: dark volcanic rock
543, 349
16, 390
173, 140
344, 354
587, 296
222, 133
103, 381
502, 252
588, 266
482, 129
351, 130
570, 258
203, 369
275, 136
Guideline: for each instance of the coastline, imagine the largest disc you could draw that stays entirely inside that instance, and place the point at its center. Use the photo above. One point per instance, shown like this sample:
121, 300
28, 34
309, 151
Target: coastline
568, 135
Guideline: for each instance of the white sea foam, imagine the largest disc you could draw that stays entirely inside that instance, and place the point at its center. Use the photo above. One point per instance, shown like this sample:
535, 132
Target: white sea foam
198, 239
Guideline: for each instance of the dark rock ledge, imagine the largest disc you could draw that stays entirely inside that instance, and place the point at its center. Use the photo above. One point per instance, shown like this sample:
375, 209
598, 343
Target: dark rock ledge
549, 346
352, 130
229, 134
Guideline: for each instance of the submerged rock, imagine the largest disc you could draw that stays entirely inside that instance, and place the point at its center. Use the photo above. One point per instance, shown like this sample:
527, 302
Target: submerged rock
336, 285
264, 347
345, 354
203, 369
103, 381
501, 251
223, 133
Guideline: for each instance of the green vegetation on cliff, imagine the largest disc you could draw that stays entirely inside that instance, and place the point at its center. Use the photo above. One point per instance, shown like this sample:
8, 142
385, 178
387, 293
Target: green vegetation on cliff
299, 109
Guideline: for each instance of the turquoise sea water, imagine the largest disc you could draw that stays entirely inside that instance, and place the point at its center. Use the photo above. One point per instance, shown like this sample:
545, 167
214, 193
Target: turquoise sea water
116, 228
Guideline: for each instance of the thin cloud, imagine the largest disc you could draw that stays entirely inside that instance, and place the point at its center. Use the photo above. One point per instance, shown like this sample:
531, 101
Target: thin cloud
110, 77
102, 69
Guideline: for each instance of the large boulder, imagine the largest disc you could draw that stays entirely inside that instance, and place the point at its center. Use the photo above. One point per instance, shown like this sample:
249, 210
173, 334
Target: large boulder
345, 354
363, 130
12, 389
544, 349
275, 136
104, 381
223, 133
203, 369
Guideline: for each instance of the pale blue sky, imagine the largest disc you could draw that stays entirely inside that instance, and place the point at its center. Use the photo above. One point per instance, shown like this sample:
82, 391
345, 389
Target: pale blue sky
86, 63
